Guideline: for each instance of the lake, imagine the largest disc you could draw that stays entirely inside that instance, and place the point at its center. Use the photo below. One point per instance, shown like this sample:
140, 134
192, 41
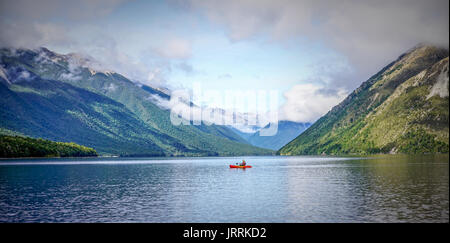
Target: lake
276, 189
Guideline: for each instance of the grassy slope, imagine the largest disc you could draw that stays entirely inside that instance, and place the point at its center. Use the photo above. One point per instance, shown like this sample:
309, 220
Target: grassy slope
388, 113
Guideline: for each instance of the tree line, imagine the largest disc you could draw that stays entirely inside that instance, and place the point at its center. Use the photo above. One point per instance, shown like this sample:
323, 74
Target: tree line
16, 146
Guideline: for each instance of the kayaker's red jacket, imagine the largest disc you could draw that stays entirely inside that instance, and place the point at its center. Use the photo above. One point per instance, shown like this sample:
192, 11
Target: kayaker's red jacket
243, 163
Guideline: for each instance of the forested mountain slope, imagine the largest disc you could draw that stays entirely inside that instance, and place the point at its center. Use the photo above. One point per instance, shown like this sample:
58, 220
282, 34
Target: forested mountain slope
65, 98
404, 108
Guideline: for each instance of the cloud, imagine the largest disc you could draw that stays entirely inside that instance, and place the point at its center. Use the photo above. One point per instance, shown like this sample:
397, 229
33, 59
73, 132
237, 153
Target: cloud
70, 76
369, 33
156, 76
174, 49
185, 67
224, 76
25, 35
173, 53
180, 103
32, 24
16, 74
110, 56
73, 10
347, 22
83, 26
308, 102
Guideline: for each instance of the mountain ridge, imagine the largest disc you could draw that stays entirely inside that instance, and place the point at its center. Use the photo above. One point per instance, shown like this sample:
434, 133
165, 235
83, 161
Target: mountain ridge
363, 123
120, 117
286, 131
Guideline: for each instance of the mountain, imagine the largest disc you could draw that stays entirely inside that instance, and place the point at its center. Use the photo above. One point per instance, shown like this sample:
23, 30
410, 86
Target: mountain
218, 130
70, 98
287, 130
404, 108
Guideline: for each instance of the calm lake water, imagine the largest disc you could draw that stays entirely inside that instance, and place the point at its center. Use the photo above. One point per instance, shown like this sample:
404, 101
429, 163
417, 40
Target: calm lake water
276, 189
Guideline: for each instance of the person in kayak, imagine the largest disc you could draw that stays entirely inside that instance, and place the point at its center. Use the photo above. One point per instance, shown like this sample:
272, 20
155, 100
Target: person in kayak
243, 163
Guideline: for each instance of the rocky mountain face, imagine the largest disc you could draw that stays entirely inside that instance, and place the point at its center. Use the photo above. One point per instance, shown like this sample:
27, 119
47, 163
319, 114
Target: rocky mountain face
404, 108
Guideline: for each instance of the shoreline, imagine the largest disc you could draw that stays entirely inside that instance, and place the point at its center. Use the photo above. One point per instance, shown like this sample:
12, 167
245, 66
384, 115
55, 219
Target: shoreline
232, 156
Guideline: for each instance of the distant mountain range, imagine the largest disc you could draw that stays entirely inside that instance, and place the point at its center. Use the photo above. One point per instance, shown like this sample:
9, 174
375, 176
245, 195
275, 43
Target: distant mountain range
69, 98
404, 108
287, 130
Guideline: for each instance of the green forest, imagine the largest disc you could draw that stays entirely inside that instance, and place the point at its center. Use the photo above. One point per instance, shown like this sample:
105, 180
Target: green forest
16, 146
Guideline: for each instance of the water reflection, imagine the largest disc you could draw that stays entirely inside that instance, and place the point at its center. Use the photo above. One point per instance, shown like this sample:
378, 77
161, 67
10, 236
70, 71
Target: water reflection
276, 189
411, 189
380, 189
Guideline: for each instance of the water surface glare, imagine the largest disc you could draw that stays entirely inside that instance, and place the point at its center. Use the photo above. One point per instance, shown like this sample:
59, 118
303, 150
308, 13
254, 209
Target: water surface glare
276, 189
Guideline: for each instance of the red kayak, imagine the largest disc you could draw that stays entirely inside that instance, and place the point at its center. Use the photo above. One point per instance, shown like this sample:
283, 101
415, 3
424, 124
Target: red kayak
240, 166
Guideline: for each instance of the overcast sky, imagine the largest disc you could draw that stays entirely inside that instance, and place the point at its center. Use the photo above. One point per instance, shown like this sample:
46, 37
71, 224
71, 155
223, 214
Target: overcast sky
314, 52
